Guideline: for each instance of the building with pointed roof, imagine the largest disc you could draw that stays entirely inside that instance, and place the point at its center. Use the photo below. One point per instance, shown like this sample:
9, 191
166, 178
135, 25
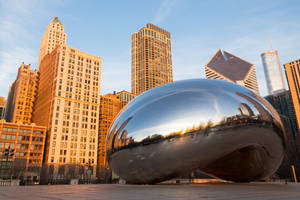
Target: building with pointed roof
53, 36
226, 66
67, 103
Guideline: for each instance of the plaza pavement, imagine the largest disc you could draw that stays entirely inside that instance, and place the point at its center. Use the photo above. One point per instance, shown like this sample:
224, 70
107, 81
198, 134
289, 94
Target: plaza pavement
154, 192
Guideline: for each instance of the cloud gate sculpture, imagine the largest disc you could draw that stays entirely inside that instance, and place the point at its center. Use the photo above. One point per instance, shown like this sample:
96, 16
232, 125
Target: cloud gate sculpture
221, 128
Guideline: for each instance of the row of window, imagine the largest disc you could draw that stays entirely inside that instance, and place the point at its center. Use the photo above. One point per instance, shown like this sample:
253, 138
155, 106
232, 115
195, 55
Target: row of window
21, 130
73, 153
20, 154
21, 138
7, 145
73, 160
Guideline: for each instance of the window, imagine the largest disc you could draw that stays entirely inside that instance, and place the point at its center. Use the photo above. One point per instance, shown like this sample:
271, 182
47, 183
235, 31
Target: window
37, 139
23, 138
36, 132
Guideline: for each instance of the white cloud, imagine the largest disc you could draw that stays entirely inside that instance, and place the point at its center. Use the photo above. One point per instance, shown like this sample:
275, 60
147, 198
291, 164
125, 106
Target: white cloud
9, 30
164, 11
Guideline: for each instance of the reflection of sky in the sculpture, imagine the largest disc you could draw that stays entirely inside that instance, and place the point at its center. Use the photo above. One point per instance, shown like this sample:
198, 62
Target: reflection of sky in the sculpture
169, 110
162, 92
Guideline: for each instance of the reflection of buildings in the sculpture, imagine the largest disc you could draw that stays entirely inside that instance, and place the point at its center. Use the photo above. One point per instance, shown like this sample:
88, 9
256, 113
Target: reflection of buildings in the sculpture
114, 140
262, 112
244, 109
245, 117
242, 120
268, 114
123, 140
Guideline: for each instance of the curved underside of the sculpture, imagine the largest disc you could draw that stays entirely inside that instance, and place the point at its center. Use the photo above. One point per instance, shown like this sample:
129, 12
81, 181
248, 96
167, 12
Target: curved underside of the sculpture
218, 127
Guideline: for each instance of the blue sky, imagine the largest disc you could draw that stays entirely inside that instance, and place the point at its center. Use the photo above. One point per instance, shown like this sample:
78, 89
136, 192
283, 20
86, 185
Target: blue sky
198, 29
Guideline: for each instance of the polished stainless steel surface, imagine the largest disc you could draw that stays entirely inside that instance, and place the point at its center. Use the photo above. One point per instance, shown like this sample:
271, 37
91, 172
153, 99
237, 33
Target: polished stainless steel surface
216, 126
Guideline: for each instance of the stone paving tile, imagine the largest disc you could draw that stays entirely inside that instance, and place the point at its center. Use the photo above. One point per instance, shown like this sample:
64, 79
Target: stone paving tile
151, 192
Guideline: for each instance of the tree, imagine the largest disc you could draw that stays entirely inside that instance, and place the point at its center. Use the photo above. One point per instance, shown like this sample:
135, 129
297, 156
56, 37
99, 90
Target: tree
19, 168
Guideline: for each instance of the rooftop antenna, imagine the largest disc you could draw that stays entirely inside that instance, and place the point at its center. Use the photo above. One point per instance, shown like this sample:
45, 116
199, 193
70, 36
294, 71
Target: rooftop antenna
270, 40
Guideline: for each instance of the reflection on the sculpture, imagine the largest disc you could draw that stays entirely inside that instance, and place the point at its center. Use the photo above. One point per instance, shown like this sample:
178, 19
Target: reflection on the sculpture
216, 126
241, 120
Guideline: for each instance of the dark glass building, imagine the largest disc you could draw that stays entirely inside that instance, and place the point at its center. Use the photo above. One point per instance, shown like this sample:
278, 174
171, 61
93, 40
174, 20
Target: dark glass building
282, 102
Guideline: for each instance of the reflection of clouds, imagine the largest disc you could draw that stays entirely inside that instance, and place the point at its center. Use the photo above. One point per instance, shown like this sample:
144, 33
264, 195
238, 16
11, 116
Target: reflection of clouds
164, 11
163, 129
211, 99
217, 109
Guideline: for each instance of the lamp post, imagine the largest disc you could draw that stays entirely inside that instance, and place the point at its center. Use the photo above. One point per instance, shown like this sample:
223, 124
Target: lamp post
294, 173
88, 172
8, 152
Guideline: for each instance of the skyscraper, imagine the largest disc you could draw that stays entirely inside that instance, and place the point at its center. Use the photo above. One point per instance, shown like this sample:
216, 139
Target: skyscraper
226, 66
292, 71
53, 36
110, 105
68, 105
151, 58
273, 72
22, 95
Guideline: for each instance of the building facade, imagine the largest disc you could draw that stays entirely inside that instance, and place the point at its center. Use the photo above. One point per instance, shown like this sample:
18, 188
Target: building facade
282, 102
110, 106
2, 107
21, 96
125, 97
151, 58
68, 105
24, 145
53, 36
292, 71
226, 66
273, 72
